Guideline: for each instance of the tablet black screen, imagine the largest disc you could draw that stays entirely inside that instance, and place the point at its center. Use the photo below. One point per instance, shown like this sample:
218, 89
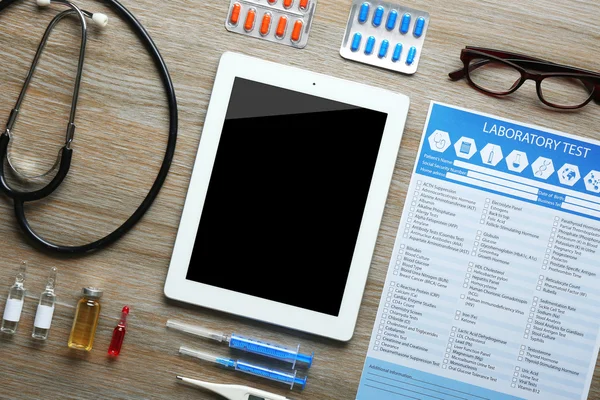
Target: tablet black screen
286, 196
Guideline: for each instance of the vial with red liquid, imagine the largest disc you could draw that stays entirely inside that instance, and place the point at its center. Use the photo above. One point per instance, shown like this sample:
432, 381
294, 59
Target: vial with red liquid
119, 334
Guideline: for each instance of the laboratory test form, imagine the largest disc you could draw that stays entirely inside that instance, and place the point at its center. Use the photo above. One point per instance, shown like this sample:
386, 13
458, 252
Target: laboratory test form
492, 289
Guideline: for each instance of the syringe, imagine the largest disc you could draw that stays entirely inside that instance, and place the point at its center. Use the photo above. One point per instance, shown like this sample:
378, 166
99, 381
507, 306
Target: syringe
289, 378
248, 345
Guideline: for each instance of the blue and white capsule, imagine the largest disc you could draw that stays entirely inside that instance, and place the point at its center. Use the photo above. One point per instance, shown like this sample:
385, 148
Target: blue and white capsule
419, 27
363, 13
391, 20
412, 53
383, 48
397, 52
356, 39
378, 16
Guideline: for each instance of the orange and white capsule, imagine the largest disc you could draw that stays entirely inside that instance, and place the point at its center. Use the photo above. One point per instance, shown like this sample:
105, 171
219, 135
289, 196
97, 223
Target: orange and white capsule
281, 27
234, 17
303, 4
265, 25
297, 31
288, 3
250, 18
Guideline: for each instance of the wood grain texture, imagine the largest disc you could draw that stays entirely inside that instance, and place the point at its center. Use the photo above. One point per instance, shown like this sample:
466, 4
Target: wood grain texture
122, 126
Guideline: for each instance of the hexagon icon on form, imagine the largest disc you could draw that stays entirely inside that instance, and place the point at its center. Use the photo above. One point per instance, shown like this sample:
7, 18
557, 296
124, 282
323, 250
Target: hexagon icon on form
592, 181
465, 147
542, 168
569, 174
491, 154
439, 141
517, 161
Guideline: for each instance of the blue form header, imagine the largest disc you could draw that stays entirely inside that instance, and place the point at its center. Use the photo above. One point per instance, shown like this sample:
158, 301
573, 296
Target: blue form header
540, 166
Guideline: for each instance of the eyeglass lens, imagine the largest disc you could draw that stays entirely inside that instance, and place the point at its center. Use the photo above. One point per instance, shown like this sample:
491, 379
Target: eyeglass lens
492, 76
564, 91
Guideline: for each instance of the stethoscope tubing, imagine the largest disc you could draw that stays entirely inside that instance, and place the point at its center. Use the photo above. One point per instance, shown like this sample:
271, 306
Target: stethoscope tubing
109, 239
66, 155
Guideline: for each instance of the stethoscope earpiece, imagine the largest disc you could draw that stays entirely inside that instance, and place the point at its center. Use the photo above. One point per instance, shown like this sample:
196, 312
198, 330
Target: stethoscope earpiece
100, 20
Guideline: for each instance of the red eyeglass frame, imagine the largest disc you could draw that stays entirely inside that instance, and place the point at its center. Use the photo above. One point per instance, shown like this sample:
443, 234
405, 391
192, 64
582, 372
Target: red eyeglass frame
530, 68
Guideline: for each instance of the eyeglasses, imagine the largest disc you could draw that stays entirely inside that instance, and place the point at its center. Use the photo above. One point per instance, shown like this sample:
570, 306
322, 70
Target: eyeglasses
501, 73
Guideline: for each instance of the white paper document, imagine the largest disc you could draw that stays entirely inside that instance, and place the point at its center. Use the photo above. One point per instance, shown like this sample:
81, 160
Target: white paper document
492, 291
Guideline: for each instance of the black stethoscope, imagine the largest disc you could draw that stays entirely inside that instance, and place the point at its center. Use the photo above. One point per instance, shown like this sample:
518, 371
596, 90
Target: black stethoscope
63, 162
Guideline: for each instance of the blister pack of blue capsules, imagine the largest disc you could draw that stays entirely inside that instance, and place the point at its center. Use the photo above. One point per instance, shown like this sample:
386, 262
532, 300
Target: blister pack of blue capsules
386, 35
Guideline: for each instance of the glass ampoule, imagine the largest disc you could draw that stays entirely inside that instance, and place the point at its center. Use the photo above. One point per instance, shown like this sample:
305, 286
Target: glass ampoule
45, 309
119, 334
14, 303
85, 323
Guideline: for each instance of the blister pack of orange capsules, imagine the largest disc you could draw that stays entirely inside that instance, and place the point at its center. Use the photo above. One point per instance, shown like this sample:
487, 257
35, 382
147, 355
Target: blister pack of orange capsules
282, 21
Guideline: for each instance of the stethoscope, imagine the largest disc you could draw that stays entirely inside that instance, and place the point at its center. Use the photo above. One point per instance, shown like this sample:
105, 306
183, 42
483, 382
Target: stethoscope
63, 161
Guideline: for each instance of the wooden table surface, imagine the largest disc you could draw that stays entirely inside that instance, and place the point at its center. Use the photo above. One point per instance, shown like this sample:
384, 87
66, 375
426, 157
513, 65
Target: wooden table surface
122, 129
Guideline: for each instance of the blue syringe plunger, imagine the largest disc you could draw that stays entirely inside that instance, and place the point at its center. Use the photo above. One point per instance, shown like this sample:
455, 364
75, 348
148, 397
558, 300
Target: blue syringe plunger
306, 359
275, 351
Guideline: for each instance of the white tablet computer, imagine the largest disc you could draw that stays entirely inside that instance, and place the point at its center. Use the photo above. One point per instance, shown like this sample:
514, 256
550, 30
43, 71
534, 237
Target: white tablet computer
286, 196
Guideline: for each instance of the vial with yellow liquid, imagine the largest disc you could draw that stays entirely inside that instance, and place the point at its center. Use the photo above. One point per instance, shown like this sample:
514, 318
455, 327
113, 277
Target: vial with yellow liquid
86, 320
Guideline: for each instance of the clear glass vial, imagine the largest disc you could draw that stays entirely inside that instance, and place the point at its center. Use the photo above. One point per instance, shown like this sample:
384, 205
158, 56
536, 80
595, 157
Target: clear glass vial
14, 303
45, 309
86, 320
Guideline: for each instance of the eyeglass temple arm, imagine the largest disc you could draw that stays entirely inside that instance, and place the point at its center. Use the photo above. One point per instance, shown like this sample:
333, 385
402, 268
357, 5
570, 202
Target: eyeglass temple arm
545, 66
461, 73
514, 58
506, 55
458, 74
